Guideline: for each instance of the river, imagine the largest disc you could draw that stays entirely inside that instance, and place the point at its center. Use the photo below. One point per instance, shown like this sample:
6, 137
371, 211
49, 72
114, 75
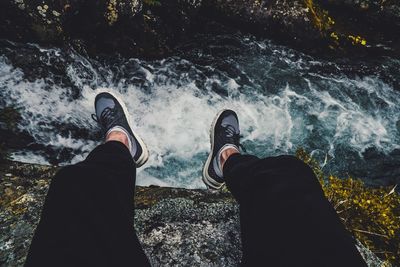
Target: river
346, 113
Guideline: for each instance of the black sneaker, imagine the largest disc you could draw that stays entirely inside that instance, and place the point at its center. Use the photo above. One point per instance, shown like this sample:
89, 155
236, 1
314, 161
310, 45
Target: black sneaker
112, 115
224, 133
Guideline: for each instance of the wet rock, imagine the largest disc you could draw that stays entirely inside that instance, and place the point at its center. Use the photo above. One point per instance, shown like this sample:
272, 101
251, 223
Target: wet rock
286, 21
11, 136
388, 10
155, 28
371, 23
65, 21
351, 28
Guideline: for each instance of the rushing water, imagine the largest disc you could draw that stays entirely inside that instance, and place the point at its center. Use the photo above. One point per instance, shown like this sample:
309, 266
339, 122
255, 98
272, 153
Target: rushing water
346, 114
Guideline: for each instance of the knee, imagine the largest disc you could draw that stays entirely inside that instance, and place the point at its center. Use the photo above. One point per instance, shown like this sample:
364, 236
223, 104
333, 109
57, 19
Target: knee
296, 168
66, 176
292, 161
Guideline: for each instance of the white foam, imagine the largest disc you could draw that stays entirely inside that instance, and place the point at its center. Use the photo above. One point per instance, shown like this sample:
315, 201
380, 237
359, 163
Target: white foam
173, 116
29, 157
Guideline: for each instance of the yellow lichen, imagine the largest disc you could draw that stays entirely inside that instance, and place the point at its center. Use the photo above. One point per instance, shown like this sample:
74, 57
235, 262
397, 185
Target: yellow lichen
372, 215
334, 36
325, 24
56, 14
20, 3
320, 17
357, 40
111, 12
59, 29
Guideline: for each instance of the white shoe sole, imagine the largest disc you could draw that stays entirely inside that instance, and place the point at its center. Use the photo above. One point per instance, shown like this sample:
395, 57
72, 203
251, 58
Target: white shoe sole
145, 152
207, 179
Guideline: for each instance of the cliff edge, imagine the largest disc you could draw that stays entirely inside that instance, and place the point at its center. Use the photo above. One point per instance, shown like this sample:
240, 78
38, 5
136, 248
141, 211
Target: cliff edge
177, 227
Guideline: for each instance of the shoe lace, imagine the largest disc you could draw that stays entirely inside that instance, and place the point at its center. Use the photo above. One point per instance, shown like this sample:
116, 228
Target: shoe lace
233, 137
107, 117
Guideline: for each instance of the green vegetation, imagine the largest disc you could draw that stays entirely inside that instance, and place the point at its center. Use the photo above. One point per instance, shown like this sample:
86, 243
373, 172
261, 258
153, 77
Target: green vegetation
372, 215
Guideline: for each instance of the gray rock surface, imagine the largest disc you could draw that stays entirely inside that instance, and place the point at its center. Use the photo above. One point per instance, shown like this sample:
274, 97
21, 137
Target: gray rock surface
190, 232
177, 227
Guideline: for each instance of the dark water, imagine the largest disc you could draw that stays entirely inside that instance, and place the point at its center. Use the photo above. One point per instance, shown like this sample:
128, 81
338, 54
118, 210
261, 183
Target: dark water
346, 113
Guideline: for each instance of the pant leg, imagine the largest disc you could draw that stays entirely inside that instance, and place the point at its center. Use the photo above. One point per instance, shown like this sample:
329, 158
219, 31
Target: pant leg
285, 218
87, 218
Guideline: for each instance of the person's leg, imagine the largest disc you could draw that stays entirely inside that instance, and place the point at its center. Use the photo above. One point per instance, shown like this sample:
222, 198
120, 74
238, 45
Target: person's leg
285, 218
87, 218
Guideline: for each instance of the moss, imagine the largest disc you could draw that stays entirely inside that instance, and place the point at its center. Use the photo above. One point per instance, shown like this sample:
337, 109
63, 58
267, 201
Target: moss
22, 185
372, 215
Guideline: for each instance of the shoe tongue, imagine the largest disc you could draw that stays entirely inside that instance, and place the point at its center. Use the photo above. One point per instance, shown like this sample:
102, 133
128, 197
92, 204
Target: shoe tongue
230, 120
104, 103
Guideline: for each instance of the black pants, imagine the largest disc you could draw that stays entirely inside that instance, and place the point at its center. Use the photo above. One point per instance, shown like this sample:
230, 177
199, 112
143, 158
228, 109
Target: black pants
87, 219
